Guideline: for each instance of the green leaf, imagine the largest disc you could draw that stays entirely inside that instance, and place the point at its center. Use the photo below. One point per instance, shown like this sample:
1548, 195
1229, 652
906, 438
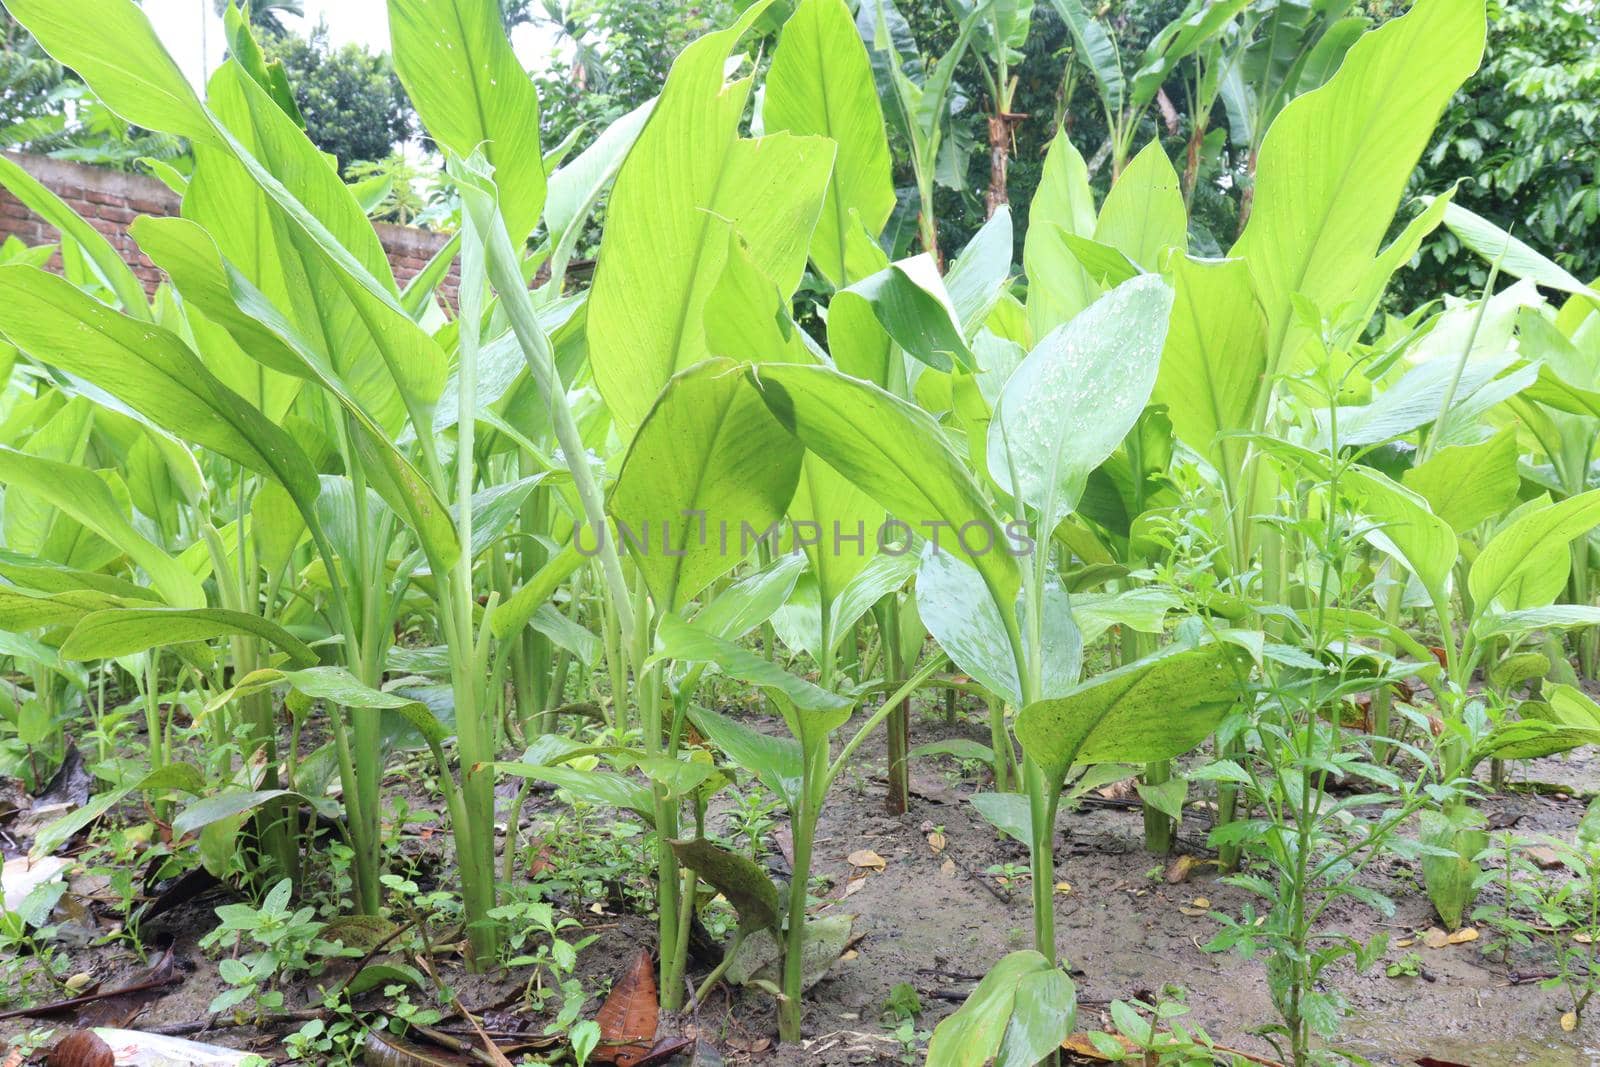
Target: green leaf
1515, 257
708, 464
1467, 484
1214, 364
688, 175
778, 762
106, 262
1006, 812
1058, 286
1144, 215
1525, 565
22, 610
207, 810
149, 369
81, 494
743, 882
909, 302
896, 454
113, 47
685, 642
1076, 396
1334, 165
970, 629
1155, 709
821, 83
472, 94
1021, 1011
123, 631
600, 788
1096, 50
183, 777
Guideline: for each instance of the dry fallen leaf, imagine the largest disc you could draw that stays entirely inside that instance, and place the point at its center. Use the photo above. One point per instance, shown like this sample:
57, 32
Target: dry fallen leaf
629, 1016
1461, 937
82, 1048
936, 842
1583, 939
1200, 902
849, 954
947, 868
853, 884
1195, 908
1063, 887
1569, 1021
865, 857
1434, 937
1180, 868
1405, 942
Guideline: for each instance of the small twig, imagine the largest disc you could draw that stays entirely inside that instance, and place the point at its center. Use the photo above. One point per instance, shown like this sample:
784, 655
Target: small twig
495, 1056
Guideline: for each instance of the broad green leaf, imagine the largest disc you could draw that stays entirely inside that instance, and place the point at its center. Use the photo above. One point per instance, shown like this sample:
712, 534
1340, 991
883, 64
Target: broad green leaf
1006, 812
309, 246
977, 277
738, 878
1076, 396
909, 302
106, 262
1058, 286
685, 642
149, 369
969, 628
513, 614
664, 248
1214, 364
181, 777
191, 259
1105, 264
1144, 215
1021, 1011
708, 464
1467, 484
473, 95
821, 83
779, 762
748, 319
1515, 257
80, 494
203, 812
1530, 620
122, 631
1334, 165
751, 600
896, 454
1155, 709
1525, 565
846, 522
112, 45
22, 610
600, 788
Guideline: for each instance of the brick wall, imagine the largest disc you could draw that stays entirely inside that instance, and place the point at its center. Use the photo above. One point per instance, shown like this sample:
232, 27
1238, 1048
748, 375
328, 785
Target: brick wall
110, 200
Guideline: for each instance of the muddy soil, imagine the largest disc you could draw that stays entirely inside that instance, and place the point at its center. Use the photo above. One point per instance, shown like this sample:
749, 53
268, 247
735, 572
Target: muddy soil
938, 918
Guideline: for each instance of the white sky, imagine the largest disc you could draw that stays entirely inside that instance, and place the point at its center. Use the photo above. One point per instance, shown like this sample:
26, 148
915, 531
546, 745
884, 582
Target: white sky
193, 34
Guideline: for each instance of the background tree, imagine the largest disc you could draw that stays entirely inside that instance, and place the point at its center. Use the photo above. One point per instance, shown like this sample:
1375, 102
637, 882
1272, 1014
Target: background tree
352, 102
266, 16
1523, 138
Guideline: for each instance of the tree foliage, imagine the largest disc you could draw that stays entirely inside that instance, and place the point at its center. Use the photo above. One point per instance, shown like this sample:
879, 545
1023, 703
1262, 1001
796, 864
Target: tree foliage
1523, 139
354, 107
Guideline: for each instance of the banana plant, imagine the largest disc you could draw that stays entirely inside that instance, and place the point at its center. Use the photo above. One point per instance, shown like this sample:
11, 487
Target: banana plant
1127, 92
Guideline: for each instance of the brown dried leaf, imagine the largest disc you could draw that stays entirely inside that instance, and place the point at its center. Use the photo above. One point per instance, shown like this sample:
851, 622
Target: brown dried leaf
1434, 937
1180, 868
1462, 936
629, 1016
82, 1048
865, 857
